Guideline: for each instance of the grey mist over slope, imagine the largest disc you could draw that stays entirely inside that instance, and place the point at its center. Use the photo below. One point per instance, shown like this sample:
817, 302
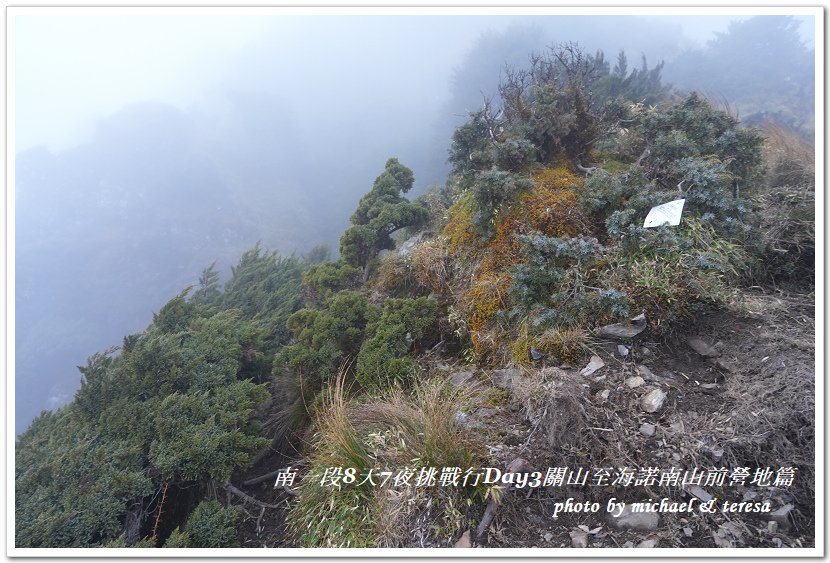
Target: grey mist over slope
271, 132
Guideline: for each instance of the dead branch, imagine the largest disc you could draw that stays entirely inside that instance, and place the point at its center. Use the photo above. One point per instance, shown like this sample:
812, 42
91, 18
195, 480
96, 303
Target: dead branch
261, 478
646, 152
518, 465
246, 497
589, 170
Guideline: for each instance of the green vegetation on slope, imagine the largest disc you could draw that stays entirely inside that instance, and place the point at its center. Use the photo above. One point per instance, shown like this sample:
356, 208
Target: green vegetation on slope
171, 412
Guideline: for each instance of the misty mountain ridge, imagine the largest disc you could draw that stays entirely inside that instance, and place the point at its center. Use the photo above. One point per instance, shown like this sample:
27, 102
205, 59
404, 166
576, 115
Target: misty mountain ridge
279, 153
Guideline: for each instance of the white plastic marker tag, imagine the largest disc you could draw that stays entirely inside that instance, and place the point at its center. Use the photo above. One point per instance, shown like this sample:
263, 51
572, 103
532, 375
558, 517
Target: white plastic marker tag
666, 214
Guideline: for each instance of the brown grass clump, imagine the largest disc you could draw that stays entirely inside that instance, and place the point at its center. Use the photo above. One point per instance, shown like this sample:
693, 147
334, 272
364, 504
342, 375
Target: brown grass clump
395, 275
790, 159
787, 206
553, 403
422, 426
429, 265
422, 270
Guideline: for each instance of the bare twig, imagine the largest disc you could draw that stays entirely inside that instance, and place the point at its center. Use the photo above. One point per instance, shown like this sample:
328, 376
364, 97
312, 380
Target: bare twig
261, 478
246, 497
518, 465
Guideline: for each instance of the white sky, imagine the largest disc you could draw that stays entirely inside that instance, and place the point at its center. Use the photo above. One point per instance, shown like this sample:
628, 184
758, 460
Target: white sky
72, 70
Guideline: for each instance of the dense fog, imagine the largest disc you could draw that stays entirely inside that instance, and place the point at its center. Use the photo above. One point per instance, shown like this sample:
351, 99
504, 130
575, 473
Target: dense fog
271, 132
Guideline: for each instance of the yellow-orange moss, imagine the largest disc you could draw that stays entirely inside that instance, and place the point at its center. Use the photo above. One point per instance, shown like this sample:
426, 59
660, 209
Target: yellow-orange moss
557, 178
459, 231
552, 208
487, 296
521, 346
504, 250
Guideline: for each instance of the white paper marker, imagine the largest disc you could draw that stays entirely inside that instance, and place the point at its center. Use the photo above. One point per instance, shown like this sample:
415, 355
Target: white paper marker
666, 214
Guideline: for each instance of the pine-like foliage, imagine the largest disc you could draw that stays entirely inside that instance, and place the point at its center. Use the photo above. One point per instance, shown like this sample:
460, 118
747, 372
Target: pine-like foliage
171, 412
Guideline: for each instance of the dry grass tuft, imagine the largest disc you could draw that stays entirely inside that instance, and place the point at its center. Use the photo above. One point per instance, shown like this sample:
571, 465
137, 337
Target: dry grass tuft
565, 345
554, 404
395, 275
392, 431
429, 265
787, 206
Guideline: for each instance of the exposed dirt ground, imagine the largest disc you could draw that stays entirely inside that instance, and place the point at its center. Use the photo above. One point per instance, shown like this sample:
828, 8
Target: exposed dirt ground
752, 406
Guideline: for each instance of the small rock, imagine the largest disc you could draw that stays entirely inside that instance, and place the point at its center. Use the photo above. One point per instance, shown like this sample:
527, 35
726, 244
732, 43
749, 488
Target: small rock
688, 532
750, 495
782, 517
622, 350
721, 541
699, 492
717, 454
645, 372
676, 456
464, 541
595, 364
461, 418
407, 246
676, 427
603, 395
703, 348
505, 378
733, 529
654, 401
548, 536
630, 520
772, 526
645, 351
579, 538
647, 543
536, 354
724, 366
624, 330
460, 378
647, 429
634, 382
